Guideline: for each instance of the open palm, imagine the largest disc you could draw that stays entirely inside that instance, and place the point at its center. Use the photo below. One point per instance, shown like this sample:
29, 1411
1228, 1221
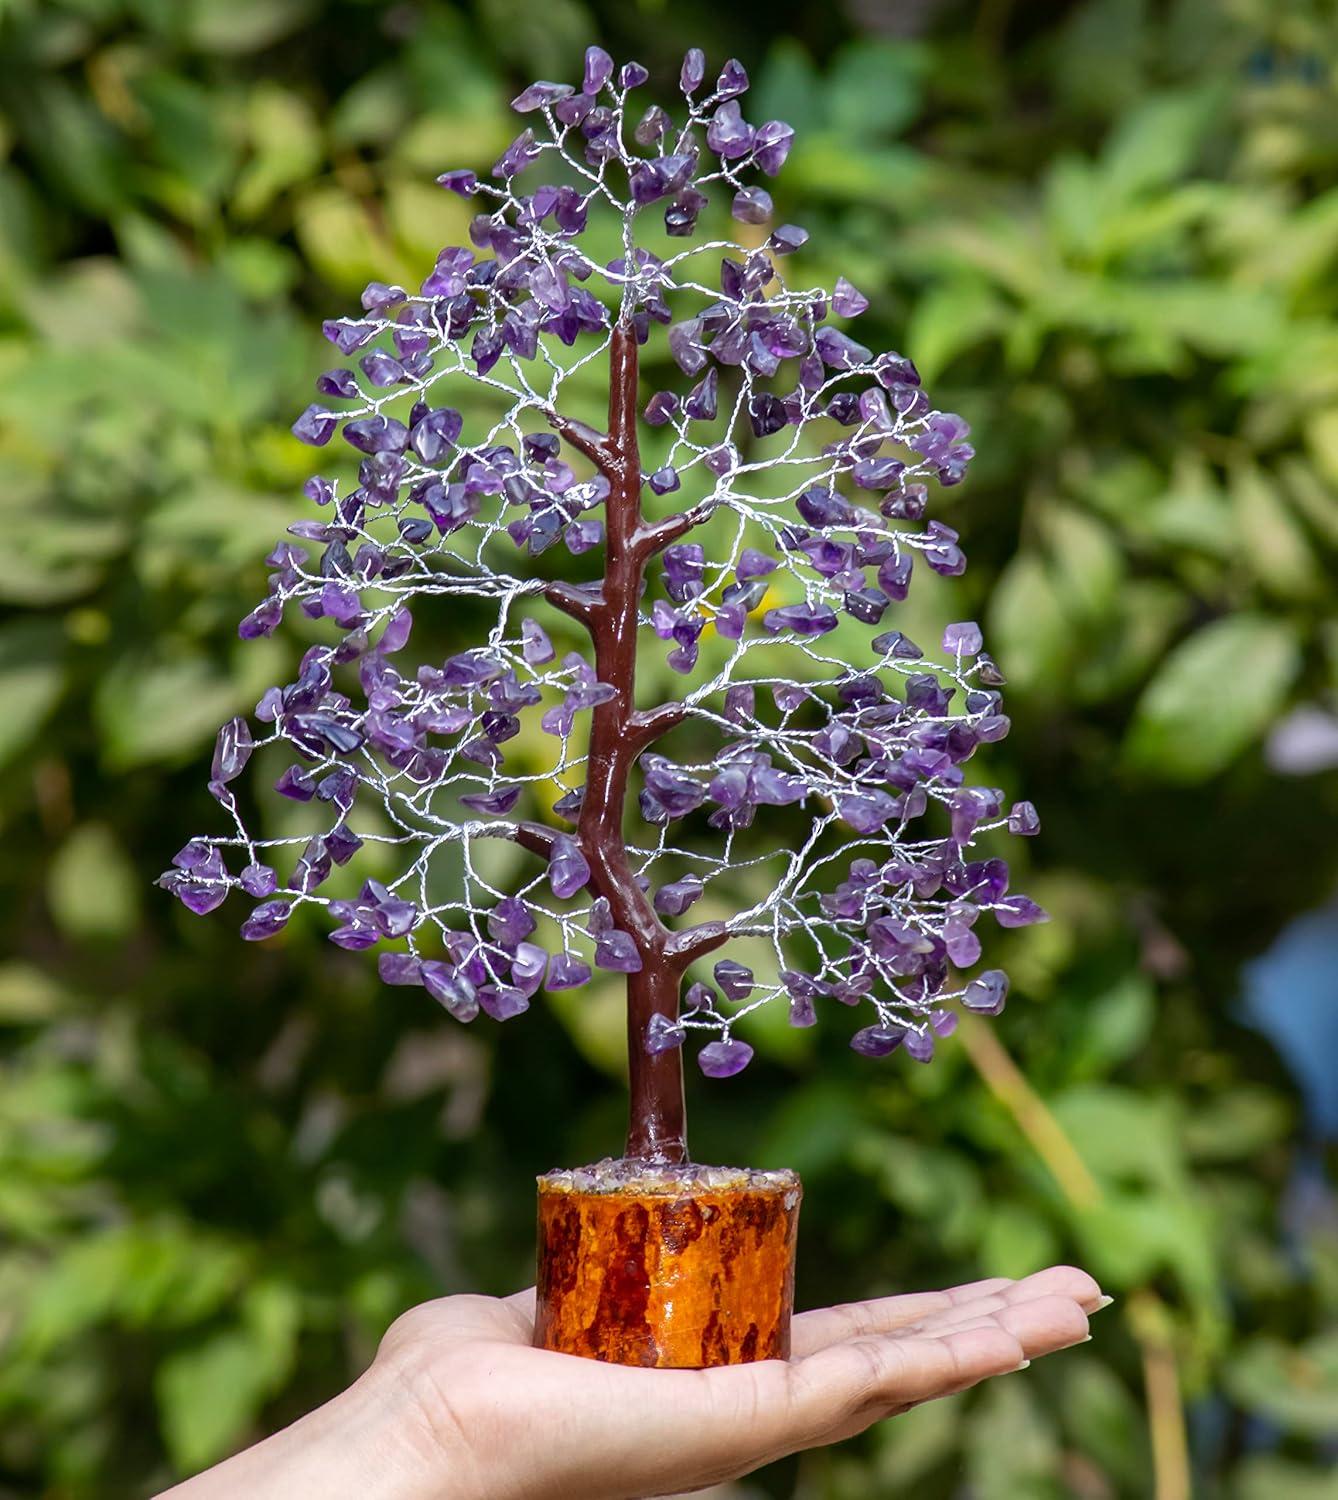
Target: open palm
517, 1423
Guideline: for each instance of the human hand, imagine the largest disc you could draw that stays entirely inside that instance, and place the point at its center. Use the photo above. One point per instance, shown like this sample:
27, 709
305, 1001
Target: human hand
459, 1406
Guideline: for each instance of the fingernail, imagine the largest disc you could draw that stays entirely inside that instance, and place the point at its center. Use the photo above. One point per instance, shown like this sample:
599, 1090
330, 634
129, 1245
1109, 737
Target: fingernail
1104, 1302
1025, 1365
1086, 1340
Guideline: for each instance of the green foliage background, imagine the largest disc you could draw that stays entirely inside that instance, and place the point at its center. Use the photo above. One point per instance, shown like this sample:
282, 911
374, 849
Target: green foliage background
1108, 233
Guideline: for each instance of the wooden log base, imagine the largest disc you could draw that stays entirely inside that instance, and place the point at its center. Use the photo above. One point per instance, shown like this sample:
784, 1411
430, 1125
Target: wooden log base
673, 1267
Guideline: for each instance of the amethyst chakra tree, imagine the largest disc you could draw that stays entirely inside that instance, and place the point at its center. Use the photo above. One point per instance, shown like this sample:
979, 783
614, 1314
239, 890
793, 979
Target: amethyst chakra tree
758, 550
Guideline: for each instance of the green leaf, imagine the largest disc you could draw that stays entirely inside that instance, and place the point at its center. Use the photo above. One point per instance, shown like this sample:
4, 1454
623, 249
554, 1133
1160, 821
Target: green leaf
189, 141
1115, 1025
1238, 1123
1122, 1136
1016, 1242
228, 526
1321, 434
950, 319
153, 711
423, 218
788, 87
286, 146
1158, 141
373, 111
1086, 563
1129, 1238
596, 1020
1214, 695
48, 564
210, 1394
1100, 55
1272, 545
259, 268
32, 678
1315, 500
907, 1450
1012, 1446
813, 1128
1148, 613
20, 231
1294, 1386
138, 1273
824, 165
873, 88
339, 237
543, 41
28, 994
1105, 1421
1072, 202
60, 314
92, 887
1029, 633
242, 25
80, 153
1263, 1477
932, 1184
1186, 511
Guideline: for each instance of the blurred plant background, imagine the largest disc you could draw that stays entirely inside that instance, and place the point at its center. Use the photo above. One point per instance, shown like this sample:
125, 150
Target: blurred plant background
1108, 233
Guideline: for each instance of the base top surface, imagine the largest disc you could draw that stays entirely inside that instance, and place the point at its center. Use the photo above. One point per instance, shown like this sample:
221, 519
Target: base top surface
652, 1179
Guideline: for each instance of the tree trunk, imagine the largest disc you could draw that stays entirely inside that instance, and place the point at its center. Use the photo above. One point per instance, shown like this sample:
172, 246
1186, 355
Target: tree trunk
657, 1122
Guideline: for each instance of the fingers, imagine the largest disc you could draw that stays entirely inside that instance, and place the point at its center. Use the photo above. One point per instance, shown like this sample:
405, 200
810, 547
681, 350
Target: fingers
935, 1310
814, 1330
844, 1387
1044, 1324
1033, 1288
1041, 1324
1062, 1281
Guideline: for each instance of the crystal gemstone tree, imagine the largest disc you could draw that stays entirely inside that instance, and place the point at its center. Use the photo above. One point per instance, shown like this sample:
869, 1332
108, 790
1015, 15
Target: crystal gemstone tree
742, 531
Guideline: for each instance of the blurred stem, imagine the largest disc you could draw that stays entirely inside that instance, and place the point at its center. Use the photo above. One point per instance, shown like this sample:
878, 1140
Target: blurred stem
1161, 1381
1006, 1082
1147, 1317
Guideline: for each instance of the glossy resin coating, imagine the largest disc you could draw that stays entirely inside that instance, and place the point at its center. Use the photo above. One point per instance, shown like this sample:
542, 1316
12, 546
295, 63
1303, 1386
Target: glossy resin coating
674, 1267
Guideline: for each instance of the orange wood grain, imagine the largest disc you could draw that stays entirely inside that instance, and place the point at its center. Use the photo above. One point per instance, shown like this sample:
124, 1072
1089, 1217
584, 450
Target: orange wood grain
671, 1279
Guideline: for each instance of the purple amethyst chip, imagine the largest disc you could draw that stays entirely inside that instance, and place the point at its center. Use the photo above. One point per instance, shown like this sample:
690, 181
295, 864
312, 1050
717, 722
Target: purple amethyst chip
724, 1059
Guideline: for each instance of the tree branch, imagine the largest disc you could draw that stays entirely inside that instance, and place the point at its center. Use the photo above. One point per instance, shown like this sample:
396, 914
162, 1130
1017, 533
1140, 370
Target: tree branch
581, 436
653, 539
649, 725
534, 837
572, 601
687, 947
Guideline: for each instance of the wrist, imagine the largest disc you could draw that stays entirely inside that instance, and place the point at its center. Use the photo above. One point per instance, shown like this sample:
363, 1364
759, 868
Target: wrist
371, 1442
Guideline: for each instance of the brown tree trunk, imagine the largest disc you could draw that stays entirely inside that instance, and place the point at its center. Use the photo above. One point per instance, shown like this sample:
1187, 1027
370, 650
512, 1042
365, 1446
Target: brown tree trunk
657, 1120
658, 1126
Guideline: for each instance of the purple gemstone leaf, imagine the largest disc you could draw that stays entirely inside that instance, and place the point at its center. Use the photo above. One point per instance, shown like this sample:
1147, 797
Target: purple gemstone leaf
540, 94
878, 1040
566, 972
724, 1059
662, 1035
232, 750
1018, 911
